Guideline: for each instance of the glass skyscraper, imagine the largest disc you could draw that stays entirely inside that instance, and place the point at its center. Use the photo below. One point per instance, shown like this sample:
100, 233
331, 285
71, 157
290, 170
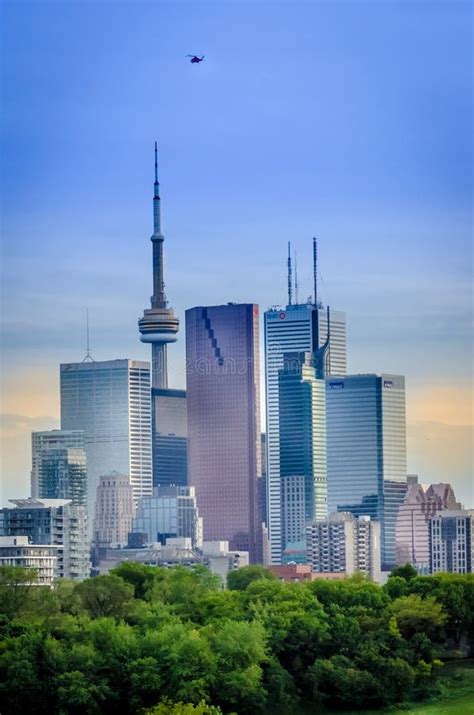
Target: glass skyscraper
111, 402
170, 512
50, 439
169, 437
303, 462
222, 370
63, 475
301, 328
366, 439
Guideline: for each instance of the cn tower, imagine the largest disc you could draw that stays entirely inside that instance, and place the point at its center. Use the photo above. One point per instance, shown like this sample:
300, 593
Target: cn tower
158, 325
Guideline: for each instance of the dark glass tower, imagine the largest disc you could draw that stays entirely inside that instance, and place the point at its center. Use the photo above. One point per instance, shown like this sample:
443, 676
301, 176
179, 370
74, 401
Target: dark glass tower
223, 386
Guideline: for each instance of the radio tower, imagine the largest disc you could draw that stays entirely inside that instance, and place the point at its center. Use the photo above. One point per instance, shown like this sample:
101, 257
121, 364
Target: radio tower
158, 325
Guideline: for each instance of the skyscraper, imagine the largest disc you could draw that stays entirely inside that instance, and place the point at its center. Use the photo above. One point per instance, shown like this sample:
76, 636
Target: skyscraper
222, 370
110, 401
159, 326
170, 512
296, 328
50, 439
303, 461
114, 511
366, 439
412, 531
63, 475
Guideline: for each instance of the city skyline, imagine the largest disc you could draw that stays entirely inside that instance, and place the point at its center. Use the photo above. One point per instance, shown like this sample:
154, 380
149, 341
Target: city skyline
394, 259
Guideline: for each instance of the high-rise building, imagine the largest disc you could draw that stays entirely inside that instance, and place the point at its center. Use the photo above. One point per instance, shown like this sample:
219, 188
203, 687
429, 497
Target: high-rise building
344, 544
55, 522
451, 542
170, 512
412, 531
366, 439
222, 369
296, 328
43, 558
50, 439
303, 461
170, 445
111, 402
114, 511
63, 475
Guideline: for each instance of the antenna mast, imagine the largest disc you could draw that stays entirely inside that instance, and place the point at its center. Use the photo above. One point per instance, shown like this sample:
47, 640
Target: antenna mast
290, 283
88, 357
315, 271
296, 279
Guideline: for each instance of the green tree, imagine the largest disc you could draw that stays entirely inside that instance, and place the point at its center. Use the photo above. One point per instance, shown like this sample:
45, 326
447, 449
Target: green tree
406, 572
16, 583
239, 579
418, 615
167, 707
105, 596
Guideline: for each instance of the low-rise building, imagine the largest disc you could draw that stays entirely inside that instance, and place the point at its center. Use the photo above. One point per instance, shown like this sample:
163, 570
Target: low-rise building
171, 512
43, 558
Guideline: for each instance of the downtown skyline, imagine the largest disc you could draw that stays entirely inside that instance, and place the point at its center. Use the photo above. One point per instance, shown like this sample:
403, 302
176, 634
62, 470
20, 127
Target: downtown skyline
392, 255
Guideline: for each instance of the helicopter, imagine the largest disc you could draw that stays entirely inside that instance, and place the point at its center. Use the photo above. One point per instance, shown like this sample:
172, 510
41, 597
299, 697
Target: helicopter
195, 59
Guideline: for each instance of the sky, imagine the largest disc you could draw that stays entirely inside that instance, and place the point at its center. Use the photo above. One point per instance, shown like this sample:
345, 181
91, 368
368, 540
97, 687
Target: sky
351, 121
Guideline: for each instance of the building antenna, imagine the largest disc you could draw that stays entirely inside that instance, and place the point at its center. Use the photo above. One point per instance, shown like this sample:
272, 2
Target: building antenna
296, 278
315, 271
88, 357
290, 283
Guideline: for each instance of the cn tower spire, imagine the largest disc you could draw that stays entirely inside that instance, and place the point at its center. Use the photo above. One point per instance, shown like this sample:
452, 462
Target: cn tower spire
158, 325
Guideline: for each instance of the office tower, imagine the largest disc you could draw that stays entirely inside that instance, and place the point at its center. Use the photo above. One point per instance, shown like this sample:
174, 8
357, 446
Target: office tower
303, 461
366, 438
170, 512
51, 439
169, 437
412, 530
63, 475
344, 544
296, 328
222, 369
114, 511
451, 542
55, 522
17, 551
110, 401
158, 325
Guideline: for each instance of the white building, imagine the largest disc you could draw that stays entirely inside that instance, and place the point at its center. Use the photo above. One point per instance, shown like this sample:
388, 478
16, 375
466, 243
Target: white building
451, 536
111, 402
296, 328
17, 551
344, 544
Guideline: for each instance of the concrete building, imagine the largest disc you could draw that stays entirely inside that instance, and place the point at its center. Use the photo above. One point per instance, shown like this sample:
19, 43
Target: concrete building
63, 475
54, 522
451, 542
223, 409
303, 459
17, 551
170, 512
345, 544
114, 511
50, 439
366, 442
296, 328
421, 503
111, 402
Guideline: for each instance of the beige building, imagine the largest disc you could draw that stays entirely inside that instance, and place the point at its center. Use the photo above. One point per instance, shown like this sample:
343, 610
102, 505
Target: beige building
421, 504
344, 544
114, 511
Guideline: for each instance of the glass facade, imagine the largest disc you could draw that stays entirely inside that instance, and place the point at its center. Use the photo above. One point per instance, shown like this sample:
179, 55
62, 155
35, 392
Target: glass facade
170, 449
111, 402
367, 450
222, 369
170, 512
51, 439
294, 328
63, 475
303, 460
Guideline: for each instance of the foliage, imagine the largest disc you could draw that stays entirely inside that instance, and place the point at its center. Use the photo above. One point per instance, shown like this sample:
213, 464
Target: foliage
239, 579
172, 641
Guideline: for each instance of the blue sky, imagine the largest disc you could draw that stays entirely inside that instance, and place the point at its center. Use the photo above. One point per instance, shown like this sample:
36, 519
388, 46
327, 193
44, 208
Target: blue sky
351, 121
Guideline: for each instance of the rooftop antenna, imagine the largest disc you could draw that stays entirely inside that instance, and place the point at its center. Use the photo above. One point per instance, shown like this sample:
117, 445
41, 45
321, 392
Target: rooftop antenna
315, 271
290, 284
88, 357
296, 279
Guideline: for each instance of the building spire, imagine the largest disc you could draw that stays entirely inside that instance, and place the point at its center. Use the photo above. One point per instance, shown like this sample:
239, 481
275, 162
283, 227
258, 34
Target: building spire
156, 200
315, 271
290, 282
